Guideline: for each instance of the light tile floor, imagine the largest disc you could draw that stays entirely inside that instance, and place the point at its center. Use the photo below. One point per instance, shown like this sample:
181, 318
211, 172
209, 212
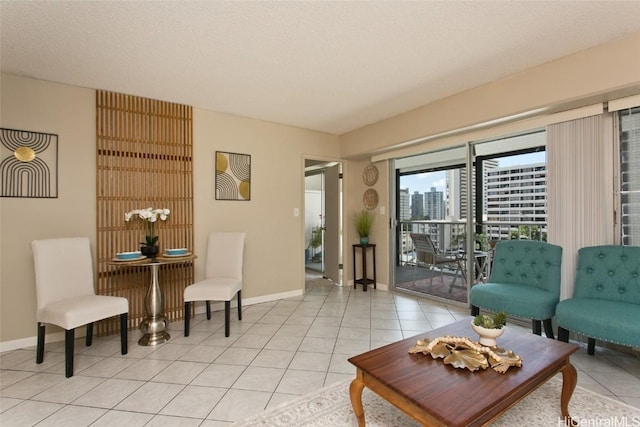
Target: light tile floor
279, 350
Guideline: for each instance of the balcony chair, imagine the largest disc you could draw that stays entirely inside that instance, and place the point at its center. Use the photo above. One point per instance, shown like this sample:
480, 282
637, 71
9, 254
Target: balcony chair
66, 296
524, 282
222, 277
434, 258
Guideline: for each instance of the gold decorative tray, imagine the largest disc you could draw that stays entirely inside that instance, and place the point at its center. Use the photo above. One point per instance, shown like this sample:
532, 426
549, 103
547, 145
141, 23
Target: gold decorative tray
461, 352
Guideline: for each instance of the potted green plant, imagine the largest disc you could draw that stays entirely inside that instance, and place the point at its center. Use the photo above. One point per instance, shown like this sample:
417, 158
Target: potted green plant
363, 222
489, 327
316, 240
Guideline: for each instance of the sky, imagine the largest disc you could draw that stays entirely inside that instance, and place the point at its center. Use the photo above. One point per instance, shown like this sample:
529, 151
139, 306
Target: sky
424, 181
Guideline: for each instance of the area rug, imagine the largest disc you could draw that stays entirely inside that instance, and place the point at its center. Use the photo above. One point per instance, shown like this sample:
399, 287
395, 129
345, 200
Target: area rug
331, 406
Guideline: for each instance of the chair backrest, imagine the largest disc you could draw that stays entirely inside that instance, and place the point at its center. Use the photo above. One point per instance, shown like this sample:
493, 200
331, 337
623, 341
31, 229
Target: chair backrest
528, 263
608, 272
423, 243
63, 267
225, 251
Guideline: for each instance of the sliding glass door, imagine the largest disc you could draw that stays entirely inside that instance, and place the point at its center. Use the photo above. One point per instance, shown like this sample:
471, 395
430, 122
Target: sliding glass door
463, 200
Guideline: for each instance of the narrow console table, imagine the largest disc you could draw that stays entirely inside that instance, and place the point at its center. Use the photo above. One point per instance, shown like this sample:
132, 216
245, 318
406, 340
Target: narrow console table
365, 280
154, 323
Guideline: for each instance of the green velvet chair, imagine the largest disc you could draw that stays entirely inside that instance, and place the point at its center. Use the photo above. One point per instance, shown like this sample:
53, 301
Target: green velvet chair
524, 282
606, 297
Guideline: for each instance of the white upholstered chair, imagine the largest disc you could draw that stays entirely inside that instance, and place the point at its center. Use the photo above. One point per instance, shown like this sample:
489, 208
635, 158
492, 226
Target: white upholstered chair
66, 296
222, 277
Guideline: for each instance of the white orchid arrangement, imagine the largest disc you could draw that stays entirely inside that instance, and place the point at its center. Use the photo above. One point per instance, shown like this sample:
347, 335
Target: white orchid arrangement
149, 217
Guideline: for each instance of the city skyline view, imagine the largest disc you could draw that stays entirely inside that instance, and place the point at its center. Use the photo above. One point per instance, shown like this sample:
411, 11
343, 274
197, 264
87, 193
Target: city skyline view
423, 182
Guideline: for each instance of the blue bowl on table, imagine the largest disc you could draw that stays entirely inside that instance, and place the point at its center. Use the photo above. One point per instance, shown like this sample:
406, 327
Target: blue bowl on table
176, 251
128, 255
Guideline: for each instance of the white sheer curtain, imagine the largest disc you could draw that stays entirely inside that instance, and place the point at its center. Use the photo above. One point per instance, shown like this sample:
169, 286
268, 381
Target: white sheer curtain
580, 188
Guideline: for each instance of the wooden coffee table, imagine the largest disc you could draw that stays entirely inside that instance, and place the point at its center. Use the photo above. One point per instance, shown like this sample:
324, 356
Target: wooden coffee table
436, 394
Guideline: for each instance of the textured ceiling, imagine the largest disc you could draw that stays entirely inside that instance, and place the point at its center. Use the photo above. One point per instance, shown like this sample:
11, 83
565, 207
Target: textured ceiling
328, 66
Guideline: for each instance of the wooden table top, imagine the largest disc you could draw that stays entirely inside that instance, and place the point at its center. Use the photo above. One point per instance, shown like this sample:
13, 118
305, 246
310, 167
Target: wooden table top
459, 397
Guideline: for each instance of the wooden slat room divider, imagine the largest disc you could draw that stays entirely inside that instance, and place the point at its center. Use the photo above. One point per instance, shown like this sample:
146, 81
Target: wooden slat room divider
144, 159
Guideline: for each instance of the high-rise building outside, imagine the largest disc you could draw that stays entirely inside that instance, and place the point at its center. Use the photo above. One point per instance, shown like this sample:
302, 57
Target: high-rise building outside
456, 208
434, 204
417, 205
452, 195
517, 194
405, 207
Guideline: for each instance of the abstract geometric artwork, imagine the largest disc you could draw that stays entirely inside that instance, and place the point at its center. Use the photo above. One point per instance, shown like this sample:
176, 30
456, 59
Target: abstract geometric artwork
233, 176
28, 164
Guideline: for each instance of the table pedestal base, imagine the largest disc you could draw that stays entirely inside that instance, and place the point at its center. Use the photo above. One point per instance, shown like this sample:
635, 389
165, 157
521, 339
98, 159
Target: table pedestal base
154, 324
154, 331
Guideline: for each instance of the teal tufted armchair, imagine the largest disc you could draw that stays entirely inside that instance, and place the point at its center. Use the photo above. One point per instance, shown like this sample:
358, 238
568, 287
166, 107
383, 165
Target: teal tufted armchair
524, 282
606, 297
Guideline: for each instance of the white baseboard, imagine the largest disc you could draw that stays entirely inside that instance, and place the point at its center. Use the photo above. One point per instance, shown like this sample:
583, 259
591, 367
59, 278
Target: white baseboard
200, 308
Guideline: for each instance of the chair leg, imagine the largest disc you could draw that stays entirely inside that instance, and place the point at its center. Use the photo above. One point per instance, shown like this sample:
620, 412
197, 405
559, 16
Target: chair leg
89, 337
40, 346
239, 306
563, 334
536, 326
591, 346
68, 352
455, 276
227, 317
548, 330
431, 273
463, 272
187, 317
124, 333
208, 304
475, 310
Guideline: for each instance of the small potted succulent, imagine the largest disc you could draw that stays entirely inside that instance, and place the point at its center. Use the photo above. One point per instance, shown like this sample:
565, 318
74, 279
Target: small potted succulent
489, 327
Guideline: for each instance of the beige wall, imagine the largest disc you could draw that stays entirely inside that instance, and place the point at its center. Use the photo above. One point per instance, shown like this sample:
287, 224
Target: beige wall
69, 112
274, 246
596, 74
380, 229
274, 253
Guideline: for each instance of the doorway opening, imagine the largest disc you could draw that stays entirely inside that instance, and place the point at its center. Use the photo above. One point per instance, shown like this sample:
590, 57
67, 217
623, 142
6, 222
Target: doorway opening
323, 219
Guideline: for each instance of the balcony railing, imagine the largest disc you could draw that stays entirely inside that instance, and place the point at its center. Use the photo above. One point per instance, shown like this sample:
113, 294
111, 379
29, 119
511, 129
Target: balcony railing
450, 236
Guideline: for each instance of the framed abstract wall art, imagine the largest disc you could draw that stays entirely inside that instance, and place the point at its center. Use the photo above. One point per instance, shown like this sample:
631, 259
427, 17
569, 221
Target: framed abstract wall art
28, 164
233, 176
